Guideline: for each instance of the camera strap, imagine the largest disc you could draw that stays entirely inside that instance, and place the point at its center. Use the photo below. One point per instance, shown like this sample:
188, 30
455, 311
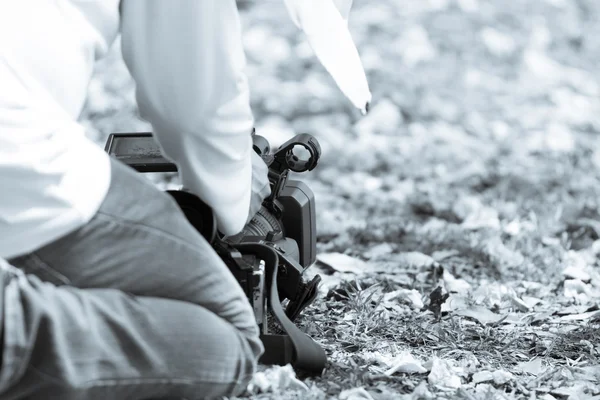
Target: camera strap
295, 348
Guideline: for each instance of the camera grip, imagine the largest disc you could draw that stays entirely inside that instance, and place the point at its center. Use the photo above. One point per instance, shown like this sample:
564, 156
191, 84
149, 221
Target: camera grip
297, 348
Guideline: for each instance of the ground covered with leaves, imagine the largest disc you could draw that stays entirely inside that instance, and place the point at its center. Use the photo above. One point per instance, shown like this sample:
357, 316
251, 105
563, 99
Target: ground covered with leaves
459, 221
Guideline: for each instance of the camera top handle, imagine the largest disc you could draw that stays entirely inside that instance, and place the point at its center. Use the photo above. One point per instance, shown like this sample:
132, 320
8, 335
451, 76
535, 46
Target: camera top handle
284, 158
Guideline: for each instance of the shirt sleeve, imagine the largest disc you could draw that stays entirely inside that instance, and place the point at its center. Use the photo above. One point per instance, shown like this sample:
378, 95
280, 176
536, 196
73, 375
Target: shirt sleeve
187, 59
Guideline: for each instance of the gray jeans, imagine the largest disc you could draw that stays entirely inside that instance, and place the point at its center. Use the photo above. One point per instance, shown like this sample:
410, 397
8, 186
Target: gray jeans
133, 305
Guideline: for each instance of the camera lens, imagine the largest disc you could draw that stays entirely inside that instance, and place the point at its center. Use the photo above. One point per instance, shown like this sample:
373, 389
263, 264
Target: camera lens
262, 223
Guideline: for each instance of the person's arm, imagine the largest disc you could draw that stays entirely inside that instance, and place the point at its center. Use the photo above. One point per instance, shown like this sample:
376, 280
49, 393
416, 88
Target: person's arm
187, 59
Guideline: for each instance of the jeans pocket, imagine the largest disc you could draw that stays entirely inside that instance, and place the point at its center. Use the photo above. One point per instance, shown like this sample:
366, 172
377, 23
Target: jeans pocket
34, 265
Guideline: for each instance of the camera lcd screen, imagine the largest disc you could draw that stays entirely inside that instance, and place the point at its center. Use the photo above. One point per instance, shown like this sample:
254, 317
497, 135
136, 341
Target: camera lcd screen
140, 151
136, 147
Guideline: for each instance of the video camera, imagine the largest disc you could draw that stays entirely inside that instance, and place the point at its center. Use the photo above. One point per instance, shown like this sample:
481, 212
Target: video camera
269, 257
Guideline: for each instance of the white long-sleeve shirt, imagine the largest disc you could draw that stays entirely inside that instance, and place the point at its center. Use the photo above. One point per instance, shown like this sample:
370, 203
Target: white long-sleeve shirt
187, 60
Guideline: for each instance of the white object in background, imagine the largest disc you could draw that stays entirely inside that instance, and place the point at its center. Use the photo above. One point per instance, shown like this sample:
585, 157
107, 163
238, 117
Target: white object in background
325, 23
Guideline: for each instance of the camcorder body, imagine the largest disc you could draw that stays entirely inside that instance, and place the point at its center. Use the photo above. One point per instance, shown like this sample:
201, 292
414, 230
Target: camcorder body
269, 257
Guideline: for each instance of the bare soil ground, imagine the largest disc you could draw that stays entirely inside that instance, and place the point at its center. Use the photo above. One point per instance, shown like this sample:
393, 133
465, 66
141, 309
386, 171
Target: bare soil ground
459, 221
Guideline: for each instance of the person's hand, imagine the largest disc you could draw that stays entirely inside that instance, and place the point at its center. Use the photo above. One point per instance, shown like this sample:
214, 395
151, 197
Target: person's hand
261, 189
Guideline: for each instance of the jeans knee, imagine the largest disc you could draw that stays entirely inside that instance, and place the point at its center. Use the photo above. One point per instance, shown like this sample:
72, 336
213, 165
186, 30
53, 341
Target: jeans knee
253, 349
257, 348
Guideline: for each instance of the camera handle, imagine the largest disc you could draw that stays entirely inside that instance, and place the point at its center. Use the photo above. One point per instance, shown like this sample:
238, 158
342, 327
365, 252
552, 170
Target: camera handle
284, 158
295, 348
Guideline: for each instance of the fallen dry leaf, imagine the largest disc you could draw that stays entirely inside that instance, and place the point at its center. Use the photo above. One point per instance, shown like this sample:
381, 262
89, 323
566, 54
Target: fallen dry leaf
501, 377
502, 254
414, 260
379, 251
406, 363
481, 314
421, 392
575, 266
482, 376
590, 315
343, 263
355, 394
581, 390
443, 375
276, 378
441, 255
577, 289
455, 302
518, 303
454, 285
412, 296
534, 367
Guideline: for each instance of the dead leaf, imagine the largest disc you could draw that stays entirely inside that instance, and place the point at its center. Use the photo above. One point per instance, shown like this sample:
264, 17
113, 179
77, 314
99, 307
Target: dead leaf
481, 314
516, 319
518, 303
355, 394
454, 285
443, 375
573, 309
474, 214
415, 260
501, 377
577, 391
492, 294
275, 379
343, 263
406, 363
590, 373
421, 392
591, 315
455, 302
531, 301
482, 376
534, 367
575, 288
486, 217
379, 251
412, 296
444, 254
488, 391
502, 254
575, 266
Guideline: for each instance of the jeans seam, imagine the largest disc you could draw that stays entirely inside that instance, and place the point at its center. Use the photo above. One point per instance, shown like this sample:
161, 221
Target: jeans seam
133, 381
150, 229
43, 265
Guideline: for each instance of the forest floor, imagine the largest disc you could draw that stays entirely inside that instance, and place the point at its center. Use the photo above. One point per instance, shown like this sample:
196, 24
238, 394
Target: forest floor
476, 172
